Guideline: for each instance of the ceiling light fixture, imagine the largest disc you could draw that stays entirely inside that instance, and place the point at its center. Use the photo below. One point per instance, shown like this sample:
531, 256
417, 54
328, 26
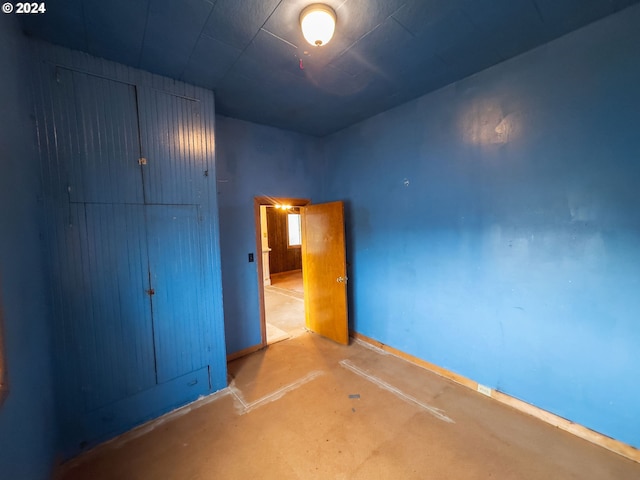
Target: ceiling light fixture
318, 23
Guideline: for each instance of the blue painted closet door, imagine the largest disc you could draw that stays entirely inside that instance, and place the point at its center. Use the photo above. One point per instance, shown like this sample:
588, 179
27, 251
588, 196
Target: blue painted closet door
116, 336
103, 139
175, 144
119, 229
181, 277
124, 364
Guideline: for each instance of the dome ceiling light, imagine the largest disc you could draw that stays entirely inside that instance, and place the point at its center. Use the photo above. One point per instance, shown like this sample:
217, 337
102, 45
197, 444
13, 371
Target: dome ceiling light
318, 22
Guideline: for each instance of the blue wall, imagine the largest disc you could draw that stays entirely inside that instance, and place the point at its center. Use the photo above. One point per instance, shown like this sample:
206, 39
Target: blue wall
494, 226
254, 160
26, 418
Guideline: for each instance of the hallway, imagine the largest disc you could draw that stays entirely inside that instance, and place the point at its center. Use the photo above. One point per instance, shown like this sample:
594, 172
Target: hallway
284, 306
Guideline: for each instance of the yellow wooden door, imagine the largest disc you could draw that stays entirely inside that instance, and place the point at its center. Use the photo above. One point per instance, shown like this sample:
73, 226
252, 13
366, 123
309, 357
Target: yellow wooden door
324, 270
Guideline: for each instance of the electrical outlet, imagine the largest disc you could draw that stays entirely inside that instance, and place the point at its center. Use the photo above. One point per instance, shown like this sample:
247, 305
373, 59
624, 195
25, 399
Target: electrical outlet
250, 257
483, 389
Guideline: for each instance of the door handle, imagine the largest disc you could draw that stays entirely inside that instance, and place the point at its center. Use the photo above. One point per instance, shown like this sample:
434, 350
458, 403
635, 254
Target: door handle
342, 279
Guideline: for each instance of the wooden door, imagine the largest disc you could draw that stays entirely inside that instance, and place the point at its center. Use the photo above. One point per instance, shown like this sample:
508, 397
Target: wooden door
324, 271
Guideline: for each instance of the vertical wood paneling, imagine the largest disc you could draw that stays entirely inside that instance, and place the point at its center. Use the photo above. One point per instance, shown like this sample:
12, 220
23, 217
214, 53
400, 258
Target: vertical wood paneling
210, 221
181, 280
123, 356
104, 165
61, 134
117, 336
171, 130
65, 241
281, 258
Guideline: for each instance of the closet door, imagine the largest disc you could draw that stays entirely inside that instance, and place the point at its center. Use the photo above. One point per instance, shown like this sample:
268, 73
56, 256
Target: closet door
137, 328
102, 137
181, 279
115, 334
175, 147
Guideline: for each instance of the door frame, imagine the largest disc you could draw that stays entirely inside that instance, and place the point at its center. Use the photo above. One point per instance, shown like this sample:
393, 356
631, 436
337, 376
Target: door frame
268, 201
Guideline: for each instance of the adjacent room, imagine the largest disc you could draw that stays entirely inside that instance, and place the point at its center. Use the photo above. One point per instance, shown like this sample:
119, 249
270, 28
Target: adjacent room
348, 239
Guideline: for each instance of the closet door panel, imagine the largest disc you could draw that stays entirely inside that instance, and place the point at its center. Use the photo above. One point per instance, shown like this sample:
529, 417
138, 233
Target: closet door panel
175, 147
183, 300
116, 336
103, 139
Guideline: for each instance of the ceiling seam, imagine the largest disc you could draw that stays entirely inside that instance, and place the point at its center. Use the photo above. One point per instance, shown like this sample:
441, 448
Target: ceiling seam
413, 35
355, 42
144, 34
84, 25
538, 11
352, 45
439, 57
279, 38
250, 42
186, 65
341, 5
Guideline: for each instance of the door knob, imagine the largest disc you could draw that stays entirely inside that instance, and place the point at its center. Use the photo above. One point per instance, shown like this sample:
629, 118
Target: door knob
342, 279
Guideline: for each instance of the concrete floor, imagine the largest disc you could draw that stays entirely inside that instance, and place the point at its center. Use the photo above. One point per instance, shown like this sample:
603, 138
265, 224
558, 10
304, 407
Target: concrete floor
307, 408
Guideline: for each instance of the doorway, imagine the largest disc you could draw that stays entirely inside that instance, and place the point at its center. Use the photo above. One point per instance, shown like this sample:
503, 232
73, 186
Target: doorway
281, 291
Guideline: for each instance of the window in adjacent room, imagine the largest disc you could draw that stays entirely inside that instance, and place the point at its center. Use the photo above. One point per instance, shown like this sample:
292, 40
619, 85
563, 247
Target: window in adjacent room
294, 230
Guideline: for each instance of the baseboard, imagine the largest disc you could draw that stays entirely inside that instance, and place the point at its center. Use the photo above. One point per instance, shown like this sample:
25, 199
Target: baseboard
245, 352
61, 466
576, 429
